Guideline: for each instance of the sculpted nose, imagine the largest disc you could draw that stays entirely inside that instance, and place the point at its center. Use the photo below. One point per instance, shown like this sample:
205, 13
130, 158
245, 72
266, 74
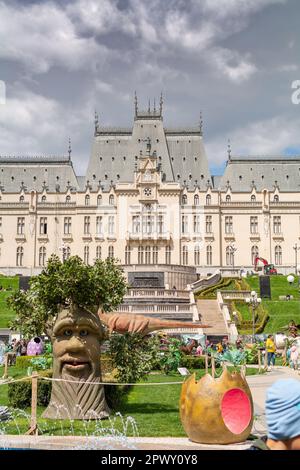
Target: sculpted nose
74, 344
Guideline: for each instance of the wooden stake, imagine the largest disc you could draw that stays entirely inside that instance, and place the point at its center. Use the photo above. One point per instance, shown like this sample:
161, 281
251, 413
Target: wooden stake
213, 367
5, 375
33, 430
259, 361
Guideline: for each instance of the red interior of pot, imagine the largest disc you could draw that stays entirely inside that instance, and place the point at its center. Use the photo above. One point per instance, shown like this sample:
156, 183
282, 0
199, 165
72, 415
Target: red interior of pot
236, 410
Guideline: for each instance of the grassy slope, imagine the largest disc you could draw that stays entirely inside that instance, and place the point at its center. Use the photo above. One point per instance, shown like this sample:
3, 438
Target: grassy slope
6, 314
280, 312
154, 408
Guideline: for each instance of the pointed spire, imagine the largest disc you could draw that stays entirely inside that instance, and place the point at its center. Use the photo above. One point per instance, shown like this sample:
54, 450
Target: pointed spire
135, 104
69, 149
96, 121
229, 149
154, 109
149, 106
161, 104
201, 123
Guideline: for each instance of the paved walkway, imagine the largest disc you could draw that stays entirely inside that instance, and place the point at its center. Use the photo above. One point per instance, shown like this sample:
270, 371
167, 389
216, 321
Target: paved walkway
257, 383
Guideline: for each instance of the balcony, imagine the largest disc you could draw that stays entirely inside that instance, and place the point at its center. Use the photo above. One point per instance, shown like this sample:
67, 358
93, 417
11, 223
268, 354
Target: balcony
278, 236
229, 236
155, 236
99, 237
43, 237
254, 236
209, 236
87, 237
67, 237
21, 237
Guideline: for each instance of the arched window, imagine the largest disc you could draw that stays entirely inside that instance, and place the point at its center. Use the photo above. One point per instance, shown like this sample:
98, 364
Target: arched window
98, 252
208, 199
66, 253
21, 199
99, 200
209, 255
86, 254
276, 198
229, 256
228, 198
197, 255
42, 256
254, 254
44, 199
68, 199
196, 200
278, 255
87, 200
184, 199
253, 198
185, 255
111, 251
127, 254
111, 200
20, 256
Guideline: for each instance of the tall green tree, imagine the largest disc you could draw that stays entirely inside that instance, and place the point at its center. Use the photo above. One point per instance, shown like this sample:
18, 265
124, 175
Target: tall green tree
64, 283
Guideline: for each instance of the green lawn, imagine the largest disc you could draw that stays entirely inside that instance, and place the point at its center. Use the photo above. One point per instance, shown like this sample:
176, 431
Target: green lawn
279, 286
6, 314
155, 410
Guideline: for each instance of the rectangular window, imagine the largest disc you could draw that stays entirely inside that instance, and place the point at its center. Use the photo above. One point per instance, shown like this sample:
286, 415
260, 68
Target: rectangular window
168, 254
136, 224
141, 255
111, 226
196, 223
148, 255
86, 254
67, 225
184, 224
155, 255
128, 255
20, 225
160, 224
43, 225
228, 225
253, 224
87, 225
277, 224
98, 252
99, 225
208, 226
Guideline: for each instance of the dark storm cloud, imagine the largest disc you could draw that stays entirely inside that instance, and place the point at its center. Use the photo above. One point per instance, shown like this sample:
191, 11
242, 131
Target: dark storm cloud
233, 59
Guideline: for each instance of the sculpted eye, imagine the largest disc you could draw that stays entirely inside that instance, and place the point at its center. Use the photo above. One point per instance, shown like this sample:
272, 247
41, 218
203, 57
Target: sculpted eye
68, 333
83, 332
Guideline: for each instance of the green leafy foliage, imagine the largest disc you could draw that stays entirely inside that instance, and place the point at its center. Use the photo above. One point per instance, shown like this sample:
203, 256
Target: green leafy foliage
62, 284
235, 357
170, 360
19, 393
41, 363
133, 355
192, 362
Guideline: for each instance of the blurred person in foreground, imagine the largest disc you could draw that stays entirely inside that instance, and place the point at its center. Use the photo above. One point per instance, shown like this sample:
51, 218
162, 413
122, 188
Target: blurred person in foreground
283, 417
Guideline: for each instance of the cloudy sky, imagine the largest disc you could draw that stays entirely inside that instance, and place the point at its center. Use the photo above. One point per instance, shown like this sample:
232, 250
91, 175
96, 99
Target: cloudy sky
233, 59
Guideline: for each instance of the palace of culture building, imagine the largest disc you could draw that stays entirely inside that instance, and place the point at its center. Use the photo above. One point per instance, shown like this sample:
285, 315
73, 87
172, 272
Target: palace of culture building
148, 198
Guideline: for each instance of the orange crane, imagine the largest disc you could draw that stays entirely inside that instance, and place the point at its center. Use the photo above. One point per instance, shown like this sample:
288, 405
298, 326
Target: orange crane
269, 269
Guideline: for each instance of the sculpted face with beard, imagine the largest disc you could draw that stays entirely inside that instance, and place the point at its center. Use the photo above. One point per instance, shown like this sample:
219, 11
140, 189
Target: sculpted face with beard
76, 340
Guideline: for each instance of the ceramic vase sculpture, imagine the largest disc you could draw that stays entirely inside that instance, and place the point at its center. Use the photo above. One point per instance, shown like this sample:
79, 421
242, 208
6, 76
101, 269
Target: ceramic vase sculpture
217, 411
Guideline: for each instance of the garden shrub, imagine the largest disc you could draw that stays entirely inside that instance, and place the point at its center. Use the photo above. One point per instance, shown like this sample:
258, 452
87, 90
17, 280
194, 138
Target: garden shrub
192, 362
23, 362
19, 393
116, 394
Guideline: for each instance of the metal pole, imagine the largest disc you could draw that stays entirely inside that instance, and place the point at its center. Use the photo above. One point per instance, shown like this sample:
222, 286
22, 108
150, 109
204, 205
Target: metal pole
253, 323
33, 430
296, 248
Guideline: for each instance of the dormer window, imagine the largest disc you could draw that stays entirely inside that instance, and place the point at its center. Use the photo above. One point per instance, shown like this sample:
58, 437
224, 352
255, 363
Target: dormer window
228, 198
208, 200
111, 200
184, 199
87, 200
276, 198
253, 198
44, 198
21, 199
68, 199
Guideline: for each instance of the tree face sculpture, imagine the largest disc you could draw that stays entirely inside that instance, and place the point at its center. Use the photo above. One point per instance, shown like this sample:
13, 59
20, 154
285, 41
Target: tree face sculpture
76, 340
66, 301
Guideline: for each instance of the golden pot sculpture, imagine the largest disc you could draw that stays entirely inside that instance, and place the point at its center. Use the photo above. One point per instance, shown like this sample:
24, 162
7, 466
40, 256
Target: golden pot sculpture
217, 411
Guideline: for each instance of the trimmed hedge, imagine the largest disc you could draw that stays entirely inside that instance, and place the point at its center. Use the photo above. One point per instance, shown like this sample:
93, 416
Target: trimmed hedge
23, 362
192, 362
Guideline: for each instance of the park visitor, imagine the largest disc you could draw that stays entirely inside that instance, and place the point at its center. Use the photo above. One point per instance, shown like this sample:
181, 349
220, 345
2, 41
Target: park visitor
271, 349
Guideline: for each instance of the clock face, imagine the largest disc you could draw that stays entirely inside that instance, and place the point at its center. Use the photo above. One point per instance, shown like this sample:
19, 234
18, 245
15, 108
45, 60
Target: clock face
147, 191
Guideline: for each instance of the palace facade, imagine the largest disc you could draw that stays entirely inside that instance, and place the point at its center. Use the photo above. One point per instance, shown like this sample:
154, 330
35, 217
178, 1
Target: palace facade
148, 198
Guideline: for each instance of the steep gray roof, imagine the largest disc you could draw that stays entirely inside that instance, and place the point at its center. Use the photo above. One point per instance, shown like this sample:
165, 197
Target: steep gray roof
34, 173
265, 172
180, 152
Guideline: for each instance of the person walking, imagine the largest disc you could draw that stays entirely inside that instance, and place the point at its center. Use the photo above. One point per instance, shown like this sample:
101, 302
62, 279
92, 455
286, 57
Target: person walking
294, 357
271, 349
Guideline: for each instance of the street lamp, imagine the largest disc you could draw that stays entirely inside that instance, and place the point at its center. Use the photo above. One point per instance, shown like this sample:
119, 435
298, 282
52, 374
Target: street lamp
254, 301
296, 247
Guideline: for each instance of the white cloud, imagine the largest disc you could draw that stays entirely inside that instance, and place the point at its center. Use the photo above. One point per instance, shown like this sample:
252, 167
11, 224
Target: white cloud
231, 64
42, 36
268, 137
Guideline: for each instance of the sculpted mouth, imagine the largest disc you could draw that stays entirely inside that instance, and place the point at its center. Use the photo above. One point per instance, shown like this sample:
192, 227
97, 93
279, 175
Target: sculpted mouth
75, 364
